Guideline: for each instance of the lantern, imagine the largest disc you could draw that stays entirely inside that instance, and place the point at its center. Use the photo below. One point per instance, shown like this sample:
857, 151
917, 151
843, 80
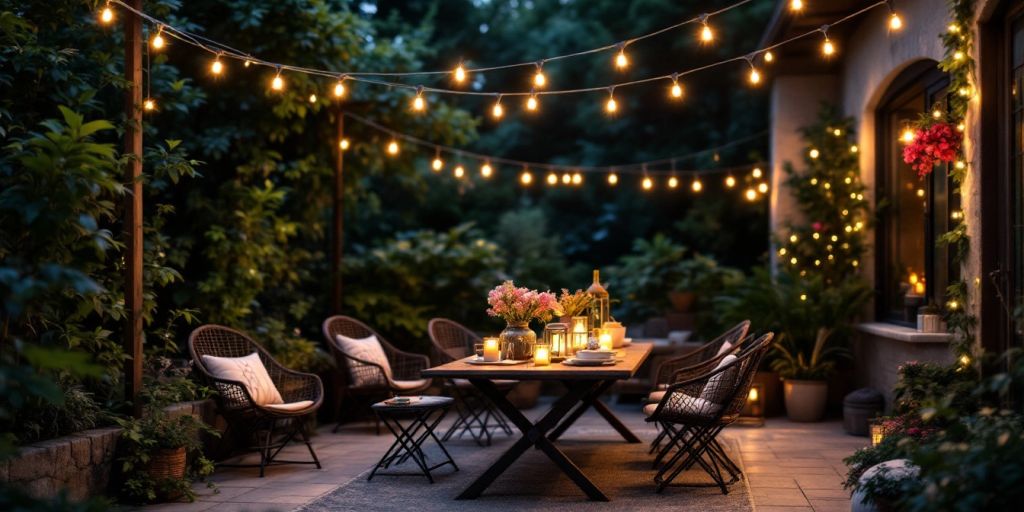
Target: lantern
877, 433
753, 407
556, 336
579, 333
541, 354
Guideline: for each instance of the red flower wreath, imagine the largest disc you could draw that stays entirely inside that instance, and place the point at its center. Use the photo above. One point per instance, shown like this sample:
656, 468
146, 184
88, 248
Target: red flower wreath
938, 143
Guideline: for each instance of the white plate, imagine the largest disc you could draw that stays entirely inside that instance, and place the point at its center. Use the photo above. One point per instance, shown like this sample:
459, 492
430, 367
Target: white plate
595, 355
589, 362
503, 362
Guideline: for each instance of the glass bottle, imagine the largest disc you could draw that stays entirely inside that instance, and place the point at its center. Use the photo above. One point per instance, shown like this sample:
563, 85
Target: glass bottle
599, 310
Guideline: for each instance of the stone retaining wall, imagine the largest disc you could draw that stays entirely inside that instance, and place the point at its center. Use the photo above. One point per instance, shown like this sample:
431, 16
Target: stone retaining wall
80, 463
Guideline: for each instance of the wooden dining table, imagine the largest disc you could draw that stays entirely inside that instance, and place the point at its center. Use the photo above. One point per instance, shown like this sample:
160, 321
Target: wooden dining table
584, 386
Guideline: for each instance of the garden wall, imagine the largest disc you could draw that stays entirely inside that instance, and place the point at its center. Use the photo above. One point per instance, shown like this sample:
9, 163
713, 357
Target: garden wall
80, 463
880, 350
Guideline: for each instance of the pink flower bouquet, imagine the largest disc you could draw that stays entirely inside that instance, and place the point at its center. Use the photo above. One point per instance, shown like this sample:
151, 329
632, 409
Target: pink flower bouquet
938, 143
519, 306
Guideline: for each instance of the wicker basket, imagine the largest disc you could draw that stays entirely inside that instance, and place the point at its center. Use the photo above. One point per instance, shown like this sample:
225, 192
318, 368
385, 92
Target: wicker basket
167, 463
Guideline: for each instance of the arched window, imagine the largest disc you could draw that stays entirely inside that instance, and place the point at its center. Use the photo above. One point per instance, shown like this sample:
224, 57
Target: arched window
911, 270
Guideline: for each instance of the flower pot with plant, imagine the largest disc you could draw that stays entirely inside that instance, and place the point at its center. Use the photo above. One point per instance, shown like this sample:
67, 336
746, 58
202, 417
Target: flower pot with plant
573, 304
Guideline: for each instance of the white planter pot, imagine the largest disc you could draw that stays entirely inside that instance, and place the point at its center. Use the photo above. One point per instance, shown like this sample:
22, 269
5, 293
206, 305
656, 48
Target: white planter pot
805, 399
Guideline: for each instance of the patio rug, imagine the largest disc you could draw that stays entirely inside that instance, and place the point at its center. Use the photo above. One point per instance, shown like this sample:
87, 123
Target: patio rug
623, 471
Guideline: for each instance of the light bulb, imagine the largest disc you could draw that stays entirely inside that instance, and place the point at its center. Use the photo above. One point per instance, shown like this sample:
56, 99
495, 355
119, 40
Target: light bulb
613, 179
907, 136
418, 103
552, 179
673, 182
538, 78
621, 61
762, 188
611, 106
936, 113
566, 179
769, 56
344, 144
577, 179
149, 104
958, 55
954, 28
339, 89
460, 74
158, 40
697, 186
277, 83
497, 111
312, 98
486, 171
756, 173
531, 102
648, 184
730, 181
247, 63
217, 67
814, 153
750, 194
437, 164
459, 171
854, 148
526, 178
895, 23
796, 5
676, 91
393, 148
828, 48
755, 77
706, 35
107, 15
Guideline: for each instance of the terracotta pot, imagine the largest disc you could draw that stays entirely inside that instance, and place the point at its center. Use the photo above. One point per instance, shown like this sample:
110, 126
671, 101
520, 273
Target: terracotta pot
167, 463
805, 399
682, 301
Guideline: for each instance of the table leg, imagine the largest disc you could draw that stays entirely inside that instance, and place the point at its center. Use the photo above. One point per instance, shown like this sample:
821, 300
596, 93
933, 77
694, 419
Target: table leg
534, 434
593, 399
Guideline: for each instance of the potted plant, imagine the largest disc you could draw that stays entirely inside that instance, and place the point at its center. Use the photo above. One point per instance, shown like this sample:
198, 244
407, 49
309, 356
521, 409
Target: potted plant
573, 304
161, 452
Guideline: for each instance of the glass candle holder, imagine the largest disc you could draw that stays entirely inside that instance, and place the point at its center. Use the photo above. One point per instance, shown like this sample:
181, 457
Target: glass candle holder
556, 335
604, 339
492, 350
541, 354
579, 333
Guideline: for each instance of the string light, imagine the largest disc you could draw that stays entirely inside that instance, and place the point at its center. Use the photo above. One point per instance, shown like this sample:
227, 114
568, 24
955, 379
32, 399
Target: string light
107, 14
706, 34
277, 83
393, 147
539, 79
673, 182
611, 106
613, 179
754, 77
696, 186
486, 170
497, 111
419, 104
149, 104
526, 178
459, 171
814, 154
217, 67
796, 5
344, 144
158, 40
750, 194
854, 148
756, 173
648, 183
552, 178
312, 98
769, 56
566, 179
676, 91
459, 74
577, 179
762, 188
730, 181
621, 61
437, 164
907, 136
958, 55
531, 102
895, 22
339, 88
827, 48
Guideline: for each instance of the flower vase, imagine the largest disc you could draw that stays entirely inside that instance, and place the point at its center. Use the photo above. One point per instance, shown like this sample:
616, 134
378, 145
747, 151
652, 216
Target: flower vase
517, 341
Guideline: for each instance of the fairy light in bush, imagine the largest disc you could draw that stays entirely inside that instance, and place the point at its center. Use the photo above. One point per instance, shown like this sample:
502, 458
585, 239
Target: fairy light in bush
756, 173
751, 195
814, 153
312, 97
393, 148
497, 111
611, 106
419, 103
706, 34
277, 83
107, 14
539, 79
158, 42
762, 187
344, 144
486, 170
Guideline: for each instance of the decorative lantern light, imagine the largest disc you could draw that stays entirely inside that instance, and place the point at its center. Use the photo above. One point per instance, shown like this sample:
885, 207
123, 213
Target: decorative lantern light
541, 354
556, 336
580, 333
753, 408
877, 433
604, 339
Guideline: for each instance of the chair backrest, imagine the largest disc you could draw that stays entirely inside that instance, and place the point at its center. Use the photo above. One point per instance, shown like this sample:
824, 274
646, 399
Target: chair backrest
751, 360
733, 336
702, 354
220, 341
351, 328
451, 340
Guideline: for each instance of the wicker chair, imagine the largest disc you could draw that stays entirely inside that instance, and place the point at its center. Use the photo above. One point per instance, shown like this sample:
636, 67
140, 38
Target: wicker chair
272, 428
452, 341
699, 406
405, 367
706, 352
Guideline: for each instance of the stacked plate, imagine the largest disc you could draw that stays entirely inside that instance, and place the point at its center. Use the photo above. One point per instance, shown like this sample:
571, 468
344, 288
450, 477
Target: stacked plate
592, 358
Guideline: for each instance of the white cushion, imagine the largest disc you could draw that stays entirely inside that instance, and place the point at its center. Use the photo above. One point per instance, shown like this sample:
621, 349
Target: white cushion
403, 385
290, 406
649, 409
366, 349
655, 396
719, 387
681, 403
248, 370
726, 347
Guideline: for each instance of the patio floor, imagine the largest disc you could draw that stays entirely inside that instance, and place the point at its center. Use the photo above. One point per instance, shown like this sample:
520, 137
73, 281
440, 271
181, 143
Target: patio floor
791, 467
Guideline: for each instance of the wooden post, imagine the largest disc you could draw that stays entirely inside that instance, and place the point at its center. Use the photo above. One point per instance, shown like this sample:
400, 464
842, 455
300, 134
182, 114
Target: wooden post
337, 228
133, 206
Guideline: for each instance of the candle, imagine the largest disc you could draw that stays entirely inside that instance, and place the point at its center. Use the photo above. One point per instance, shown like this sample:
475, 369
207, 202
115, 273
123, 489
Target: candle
604, 339
919, 287
491, 352
558, 343
877, 434
541, 355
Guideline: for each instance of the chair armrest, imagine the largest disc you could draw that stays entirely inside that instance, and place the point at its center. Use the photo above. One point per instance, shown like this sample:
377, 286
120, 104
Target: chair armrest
407, 365
301, 386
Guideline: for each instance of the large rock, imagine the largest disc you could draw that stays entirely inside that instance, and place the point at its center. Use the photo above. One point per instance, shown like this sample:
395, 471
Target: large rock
897, 469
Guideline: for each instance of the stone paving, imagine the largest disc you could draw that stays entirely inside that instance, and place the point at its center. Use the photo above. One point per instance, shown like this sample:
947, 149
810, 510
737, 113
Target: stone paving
791, 467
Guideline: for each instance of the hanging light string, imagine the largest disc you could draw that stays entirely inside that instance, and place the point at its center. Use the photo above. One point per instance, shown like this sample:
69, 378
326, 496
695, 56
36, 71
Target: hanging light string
632, 168
223, 51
